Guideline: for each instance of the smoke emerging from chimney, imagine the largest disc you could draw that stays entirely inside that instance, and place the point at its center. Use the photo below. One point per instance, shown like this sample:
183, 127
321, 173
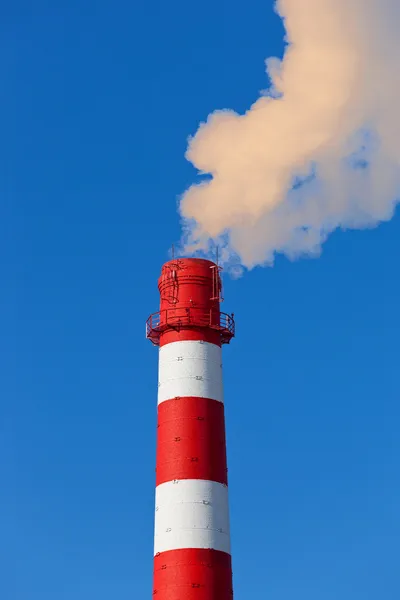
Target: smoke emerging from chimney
319, 150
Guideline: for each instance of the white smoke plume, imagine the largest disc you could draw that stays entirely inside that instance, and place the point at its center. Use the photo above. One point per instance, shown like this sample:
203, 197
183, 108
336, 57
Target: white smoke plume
319, 150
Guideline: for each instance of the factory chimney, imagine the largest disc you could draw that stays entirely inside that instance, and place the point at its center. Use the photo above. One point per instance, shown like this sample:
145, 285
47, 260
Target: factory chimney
192, 555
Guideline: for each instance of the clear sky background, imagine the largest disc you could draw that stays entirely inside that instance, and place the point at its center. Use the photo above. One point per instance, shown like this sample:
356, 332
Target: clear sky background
97, 100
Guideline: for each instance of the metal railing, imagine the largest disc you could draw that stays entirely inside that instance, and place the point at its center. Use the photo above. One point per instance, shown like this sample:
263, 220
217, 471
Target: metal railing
178, 318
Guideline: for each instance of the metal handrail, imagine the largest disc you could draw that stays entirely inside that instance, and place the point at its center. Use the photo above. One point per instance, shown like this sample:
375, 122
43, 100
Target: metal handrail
175, 318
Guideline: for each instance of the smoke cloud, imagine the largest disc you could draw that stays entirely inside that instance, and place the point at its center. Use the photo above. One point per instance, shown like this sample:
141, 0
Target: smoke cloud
319, 150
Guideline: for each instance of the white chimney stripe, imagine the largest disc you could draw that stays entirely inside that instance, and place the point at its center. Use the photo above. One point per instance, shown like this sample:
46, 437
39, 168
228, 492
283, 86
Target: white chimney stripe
191, 513
190, 368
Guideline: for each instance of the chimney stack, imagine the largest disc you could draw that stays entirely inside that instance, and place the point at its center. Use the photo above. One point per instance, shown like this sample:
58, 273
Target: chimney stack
192, 552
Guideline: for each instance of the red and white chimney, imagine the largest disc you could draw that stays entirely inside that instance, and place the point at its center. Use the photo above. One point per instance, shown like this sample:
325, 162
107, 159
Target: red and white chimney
192, 552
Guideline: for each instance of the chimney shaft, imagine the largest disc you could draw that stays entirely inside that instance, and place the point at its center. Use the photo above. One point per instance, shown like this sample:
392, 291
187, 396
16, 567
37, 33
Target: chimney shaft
192, 557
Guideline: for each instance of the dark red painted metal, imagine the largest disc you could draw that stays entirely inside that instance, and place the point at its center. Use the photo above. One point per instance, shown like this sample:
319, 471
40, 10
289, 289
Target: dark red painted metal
190, 296
193, 574
191, 440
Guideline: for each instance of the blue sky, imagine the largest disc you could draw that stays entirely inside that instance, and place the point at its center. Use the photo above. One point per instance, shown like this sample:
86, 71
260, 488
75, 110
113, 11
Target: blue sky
97, 100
